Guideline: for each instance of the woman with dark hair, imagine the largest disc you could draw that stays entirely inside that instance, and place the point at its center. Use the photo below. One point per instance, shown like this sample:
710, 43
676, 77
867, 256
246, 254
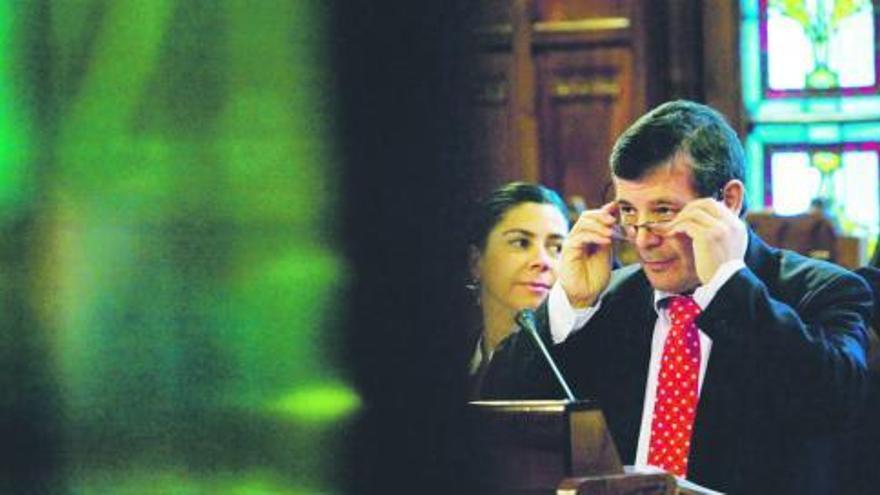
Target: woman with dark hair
515, 242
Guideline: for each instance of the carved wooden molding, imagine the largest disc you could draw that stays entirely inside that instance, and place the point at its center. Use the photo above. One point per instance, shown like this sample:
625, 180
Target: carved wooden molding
551, 27
583, 25
579, 87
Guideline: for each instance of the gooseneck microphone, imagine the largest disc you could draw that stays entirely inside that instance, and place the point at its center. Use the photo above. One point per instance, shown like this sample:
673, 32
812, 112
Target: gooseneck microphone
525, 318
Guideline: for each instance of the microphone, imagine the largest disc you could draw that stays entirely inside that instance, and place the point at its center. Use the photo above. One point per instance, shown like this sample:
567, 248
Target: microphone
525, 318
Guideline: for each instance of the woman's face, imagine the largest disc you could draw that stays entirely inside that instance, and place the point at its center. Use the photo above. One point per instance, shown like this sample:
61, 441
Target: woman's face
518, 265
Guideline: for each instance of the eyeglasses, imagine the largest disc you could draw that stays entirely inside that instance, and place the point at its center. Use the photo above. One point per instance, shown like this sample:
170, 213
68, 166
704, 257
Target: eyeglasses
655, 223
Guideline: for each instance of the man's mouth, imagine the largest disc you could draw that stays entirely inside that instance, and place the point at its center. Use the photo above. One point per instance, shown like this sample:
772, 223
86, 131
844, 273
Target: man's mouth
657, 264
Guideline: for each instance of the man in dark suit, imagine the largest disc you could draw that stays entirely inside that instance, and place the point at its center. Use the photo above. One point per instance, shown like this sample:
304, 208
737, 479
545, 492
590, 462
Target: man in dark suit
717, 357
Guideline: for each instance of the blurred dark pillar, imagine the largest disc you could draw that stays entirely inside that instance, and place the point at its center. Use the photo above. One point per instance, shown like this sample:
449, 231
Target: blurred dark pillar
403, 86
30, 422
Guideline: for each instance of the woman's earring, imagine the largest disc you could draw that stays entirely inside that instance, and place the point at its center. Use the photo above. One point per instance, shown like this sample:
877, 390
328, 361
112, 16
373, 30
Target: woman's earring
474, 287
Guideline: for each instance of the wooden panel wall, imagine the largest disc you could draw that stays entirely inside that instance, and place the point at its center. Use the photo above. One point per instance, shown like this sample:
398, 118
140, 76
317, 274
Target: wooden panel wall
559, 80
585, 100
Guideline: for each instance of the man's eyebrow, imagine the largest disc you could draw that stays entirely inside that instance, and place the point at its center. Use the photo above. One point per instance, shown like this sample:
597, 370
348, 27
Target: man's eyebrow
654, 203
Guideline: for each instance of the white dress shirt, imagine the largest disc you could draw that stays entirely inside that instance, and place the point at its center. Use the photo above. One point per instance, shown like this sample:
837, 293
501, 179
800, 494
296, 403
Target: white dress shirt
565, 320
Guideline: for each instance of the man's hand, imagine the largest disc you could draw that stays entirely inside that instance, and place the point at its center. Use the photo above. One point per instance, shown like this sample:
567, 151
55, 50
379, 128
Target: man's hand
586, 256
717, 234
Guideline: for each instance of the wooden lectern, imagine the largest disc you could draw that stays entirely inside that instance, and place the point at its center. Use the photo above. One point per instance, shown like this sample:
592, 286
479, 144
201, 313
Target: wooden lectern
551, 447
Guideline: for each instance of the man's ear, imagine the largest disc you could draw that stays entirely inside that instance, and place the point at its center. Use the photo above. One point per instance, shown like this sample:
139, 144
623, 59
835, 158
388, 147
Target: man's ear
474, 261
733, 196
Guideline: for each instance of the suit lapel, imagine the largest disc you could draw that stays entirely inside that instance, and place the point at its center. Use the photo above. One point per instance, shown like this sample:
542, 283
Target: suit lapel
629, 331
715, 428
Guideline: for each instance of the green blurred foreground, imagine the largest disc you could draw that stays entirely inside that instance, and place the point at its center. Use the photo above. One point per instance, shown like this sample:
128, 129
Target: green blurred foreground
171, 284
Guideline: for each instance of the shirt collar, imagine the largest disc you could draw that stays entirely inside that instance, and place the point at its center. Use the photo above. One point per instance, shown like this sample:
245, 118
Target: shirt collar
660, 297
661, 302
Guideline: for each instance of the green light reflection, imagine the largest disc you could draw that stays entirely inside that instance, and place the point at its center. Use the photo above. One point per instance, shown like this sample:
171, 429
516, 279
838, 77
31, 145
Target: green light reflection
318, 404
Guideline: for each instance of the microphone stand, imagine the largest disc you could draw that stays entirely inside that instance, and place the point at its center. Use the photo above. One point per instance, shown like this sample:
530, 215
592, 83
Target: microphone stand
526, 320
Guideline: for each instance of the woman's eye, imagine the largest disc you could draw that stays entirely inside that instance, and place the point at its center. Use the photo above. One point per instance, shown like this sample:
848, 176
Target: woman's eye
555, 249
520, 242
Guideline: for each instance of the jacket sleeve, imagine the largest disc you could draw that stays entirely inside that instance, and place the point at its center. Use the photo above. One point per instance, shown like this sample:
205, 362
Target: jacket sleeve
799, 350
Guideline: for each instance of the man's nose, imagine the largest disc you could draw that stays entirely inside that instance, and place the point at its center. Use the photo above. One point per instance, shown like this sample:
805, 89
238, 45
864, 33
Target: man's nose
646, 238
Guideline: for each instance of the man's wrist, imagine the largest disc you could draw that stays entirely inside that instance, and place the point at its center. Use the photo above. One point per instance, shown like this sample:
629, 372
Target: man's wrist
565, 319
577, 302
704, 294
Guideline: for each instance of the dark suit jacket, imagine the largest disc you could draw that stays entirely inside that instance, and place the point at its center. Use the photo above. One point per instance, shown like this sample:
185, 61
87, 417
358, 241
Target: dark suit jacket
872, 277
786, 370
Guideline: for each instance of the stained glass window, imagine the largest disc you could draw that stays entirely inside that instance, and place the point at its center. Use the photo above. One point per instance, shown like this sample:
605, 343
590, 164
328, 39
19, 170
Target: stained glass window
811, 89
814, 46
810, 57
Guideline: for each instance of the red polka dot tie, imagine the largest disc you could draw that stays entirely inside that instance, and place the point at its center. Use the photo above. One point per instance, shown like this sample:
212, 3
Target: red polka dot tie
676, 401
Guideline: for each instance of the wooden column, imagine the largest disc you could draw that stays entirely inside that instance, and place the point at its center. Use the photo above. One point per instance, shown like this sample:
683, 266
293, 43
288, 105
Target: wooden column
523, 117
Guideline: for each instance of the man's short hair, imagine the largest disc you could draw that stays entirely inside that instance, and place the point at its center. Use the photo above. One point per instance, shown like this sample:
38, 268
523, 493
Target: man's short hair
681, 126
